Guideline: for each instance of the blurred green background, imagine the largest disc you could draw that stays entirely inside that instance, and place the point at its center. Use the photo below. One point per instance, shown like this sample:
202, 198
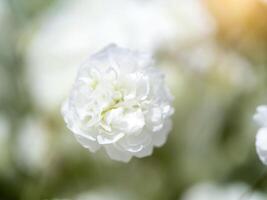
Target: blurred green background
214, 56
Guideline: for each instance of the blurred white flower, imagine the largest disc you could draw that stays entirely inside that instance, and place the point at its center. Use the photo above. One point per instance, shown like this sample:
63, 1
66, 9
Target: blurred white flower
194, 22
261, 139
75, 28
32, 144
198, 57
210, 191
209, 56
119, 101
105, 194
3, 12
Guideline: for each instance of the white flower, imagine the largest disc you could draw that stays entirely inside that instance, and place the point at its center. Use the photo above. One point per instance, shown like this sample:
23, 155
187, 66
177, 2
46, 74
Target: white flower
119, 101
212, 191
261, 139
32, 144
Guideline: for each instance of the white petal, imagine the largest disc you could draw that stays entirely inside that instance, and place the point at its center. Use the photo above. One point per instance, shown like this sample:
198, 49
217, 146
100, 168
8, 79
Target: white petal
160, 137
109, 139
116, 154
261, 144
143, 90
146, 151
135, 149
261, 116
93, 146
133, 121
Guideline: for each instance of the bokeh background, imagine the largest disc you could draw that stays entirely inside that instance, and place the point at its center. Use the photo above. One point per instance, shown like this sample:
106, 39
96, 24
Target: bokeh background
214, 56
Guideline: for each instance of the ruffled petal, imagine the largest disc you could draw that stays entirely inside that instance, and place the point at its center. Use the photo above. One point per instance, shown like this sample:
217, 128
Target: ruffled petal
146, 151
160, 137
116, 154
86, 142
261, 144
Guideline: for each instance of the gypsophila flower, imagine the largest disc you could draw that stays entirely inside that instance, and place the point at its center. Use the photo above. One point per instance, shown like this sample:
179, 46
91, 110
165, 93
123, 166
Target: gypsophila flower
119, 101
261, 139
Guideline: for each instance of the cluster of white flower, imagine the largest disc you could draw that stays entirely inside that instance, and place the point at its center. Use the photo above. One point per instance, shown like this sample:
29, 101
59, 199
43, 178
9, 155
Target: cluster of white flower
119, 101
261, 139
